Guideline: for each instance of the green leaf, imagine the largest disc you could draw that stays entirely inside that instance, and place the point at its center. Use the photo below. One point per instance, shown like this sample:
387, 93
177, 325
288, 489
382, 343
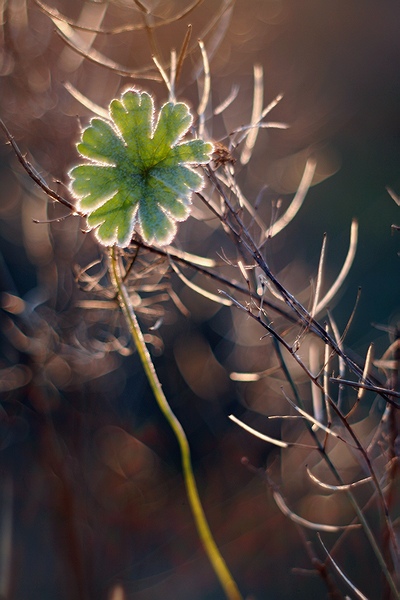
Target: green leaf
138, 176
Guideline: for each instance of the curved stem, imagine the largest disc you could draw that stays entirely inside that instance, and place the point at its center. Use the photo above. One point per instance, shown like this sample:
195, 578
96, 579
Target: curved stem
218, 563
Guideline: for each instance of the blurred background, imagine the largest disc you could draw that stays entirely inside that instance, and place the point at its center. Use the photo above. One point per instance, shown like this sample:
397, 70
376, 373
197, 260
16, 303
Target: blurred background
92, 501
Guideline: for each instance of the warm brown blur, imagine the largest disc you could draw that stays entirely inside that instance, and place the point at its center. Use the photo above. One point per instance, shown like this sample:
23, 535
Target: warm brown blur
91, 473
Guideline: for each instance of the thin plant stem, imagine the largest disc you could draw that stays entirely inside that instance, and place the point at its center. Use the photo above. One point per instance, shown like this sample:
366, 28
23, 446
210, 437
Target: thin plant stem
367, 530
278, 342
218, 563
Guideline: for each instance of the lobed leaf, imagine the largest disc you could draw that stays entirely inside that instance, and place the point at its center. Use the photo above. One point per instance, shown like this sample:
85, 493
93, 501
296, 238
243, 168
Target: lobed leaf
138, 175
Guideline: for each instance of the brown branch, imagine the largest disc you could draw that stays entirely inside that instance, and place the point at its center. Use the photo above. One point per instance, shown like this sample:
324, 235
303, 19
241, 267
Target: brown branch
33, 174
